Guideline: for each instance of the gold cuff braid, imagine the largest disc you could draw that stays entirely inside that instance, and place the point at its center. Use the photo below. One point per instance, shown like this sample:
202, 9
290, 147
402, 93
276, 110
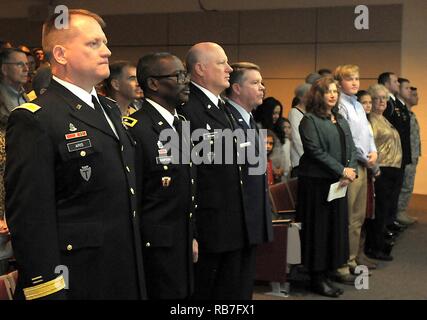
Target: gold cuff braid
44, 289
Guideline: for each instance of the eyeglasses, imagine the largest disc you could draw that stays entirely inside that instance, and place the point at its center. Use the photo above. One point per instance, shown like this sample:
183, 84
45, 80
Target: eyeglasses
19, 64
181, 77
380, 98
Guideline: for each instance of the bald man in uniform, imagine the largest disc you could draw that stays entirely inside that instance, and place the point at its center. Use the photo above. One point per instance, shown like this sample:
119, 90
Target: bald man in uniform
226, 265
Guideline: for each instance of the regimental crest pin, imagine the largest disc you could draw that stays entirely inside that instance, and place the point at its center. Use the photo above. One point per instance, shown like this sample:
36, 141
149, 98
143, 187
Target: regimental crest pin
166, 181
86, 172
72, 127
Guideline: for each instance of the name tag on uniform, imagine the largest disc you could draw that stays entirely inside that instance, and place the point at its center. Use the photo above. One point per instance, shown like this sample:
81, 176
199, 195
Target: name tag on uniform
210, 136
164, 160
245, 144
79, 145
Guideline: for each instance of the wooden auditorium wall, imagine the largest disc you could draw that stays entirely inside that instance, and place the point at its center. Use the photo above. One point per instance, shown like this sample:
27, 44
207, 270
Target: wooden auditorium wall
286, 43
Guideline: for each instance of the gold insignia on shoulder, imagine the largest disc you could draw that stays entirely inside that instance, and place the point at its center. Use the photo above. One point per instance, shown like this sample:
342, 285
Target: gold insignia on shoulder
129, 121
32, 95
32, 107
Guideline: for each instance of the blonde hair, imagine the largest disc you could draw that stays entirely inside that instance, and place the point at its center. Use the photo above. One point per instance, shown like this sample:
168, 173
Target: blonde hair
375, 88
50, 33
344, 71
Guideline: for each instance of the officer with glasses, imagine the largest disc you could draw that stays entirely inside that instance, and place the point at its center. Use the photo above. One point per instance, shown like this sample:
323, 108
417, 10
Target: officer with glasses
166, 178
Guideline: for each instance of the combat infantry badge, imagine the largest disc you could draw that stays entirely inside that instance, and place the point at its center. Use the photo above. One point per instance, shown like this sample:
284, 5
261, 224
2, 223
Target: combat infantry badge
85, 172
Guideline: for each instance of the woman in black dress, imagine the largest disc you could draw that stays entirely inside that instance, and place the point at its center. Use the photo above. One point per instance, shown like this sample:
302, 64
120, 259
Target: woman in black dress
329, 157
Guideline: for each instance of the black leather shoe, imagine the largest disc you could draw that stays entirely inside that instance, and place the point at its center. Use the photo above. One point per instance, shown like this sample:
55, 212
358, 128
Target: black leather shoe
380, 256
400, 225
322, 288
395, 227
388, 235
388, 246
333, 286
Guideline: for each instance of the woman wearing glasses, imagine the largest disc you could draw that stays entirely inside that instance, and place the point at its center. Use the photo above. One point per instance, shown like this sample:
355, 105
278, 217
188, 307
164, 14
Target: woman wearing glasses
387, 186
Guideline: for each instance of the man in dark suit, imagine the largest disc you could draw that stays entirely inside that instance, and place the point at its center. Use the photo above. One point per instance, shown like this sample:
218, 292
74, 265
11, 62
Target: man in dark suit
225, 266
70, 184
167, 181
397, 114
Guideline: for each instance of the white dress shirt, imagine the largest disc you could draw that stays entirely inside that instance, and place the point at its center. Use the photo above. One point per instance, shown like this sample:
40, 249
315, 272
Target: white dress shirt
86, 97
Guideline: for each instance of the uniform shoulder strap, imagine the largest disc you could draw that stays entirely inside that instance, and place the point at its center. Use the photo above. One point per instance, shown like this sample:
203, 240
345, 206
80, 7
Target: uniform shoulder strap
32, 107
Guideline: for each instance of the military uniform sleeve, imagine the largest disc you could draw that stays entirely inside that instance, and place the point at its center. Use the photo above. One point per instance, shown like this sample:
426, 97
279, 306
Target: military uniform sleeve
31, 206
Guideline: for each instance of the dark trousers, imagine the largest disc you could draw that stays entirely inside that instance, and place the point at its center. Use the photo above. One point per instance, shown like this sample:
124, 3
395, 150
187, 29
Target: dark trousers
395, 204
225, 276
387, 189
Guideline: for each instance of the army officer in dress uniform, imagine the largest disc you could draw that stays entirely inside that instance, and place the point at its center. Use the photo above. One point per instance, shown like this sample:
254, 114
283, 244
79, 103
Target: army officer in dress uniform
70, 183
167, 180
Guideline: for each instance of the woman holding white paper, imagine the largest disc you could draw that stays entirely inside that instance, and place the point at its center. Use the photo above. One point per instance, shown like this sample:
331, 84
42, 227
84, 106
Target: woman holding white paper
329, 156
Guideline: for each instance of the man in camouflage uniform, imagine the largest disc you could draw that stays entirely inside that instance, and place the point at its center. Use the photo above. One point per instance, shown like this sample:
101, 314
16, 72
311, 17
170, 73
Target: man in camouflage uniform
411, 100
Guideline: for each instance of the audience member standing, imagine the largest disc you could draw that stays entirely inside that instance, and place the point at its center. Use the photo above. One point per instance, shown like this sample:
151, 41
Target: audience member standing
122, 86
329, 156
13, 76
410, 99
398, 115
167, 194
353, 112
295, 116
70, 181
387, 185
224, 233
243, 95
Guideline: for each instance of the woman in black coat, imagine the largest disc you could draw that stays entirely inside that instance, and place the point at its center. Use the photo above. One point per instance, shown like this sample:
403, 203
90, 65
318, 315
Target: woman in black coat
329, 157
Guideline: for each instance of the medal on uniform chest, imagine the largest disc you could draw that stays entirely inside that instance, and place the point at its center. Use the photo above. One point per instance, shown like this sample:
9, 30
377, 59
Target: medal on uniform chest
166, 181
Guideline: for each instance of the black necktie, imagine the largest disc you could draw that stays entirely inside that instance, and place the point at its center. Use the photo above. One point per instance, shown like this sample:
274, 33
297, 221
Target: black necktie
177, 123
221, 105
252, 123
97, 105
100, 109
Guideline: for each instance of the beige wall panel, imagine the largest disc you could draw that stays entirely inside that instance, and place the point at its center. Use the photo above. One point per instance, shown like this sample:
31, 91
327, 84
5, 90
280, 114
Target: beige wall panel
132, 53
365, 83
281, 26
372, 58
190, 28
337, 24
280, 61
137, 29
282, 90
414, 66
19, 8
181, 51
